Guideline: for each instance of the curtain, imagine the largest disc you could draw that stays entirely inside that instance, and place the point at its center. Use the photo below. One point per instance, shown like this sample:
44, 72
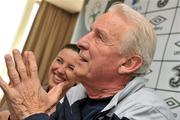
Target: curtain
51, 30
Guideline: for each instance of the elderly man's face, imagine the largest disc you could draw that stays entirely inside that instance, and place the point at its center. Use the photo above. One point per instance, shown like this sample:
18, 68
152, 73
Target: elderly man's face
100, 48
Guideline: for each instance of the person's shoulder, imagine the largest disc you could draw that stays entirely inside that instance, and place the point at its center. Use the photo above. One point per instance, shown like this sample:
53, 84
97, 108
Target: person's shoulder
146, 103
76, 93
146, 97
78, 89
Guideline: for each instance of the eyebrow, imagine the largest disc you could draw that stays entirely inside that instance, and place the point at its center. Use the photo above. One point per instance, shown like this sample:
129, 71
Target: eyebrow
97, 29
59, 57
102, 32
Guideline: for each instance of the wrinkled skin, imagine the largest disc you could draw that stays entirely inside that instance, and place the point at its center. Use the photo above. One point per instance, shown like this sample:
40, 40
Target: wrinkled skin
25, 95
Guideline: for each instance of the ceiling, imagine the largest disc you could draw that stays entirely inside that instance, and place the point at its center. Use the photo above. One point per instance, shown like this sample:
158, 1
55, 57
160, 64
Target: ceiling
72, 6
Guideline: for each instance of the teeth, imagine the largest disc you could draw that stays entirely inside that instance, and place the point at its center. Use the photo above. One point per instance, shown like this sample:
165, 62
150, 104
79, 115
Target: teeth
58, 78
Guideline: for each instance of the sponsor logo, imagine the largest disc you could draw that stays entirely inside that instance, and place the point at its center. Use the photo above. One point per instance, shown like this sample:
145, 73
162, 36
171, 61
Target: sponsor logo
175, 80
172, 102
158, 20
178, 45
162, 3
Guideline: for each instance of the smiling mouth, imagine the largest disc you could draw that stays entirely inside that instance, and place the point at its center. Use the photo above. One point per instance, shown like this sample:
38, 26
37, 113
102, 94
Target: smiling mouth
59, 79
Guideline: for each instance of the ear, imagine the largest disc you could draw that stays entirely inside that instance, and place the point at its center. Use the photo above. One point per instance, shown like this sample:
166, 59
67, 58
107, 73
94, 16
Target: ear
131, 64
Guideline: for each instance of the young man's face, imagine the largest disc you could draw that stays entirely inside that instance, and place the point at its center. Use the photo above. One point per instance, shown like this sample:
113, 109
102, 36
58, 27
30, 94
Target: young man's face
100, 48
66, 59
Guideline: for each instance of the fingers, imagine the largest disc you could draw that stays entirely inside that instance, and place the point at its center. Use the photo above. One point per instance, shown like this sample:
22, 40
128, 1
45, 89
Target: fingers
25, 59
20, 66
32, 66
12, 72
56, 93
3, 85
24, 67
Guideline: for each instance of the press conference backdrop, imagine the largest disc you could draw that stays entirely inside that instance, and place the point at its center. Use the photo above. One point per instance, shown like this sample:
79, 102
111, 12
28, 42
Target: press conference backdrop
164, 74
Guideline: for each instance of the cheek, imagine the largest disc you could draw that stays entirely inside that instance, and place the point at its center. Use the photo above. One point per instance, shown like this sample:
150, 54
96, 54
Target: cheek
106, 62
52, 69
107, 56
50, 75
54, 66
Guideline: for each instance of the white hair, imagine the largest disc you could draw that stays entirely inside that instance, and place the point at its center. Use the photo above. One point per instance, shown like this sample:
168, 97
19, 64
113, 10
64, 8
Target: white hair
141, 39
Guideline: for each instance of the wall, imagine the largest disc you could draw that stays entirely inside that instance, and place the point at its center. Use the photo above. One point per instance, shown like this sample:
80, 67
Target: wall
165, 69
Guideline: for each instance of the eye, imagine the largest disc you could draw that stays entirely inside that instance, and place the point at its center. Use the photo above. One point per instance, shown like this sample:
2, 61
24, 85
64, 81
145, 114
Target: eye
71, 67
102, 37
60, 60
99, 36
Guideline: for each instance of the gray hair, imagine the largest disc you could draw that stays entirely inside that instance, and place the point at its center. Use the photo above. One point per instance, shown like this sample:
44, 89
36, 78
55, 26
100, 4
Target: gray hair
141, 39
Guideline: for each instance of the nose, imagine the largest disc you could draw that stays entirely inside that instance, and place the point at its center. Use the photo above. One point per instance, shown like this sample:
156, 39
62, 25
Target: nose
61, 70
83, 43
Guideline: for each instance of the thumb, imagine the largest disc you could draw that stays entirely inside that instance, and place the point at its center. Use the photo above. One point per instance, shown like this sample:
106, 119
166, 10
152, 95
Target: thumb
3, 85
57, 93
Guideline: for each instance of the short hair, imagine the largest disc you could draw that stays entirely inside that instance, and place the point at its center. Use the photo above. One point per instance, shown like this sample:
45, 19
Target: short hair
72, 47
141, 39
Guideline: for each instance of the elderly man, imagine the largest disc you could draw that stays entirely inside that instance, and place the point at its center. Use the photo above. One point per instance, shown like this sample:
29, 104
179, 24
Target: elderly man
115, 54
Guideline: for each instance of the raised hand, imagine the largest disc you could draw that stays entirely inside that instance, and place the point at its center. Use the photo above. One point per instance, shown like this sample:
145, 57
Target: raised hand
25, 95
